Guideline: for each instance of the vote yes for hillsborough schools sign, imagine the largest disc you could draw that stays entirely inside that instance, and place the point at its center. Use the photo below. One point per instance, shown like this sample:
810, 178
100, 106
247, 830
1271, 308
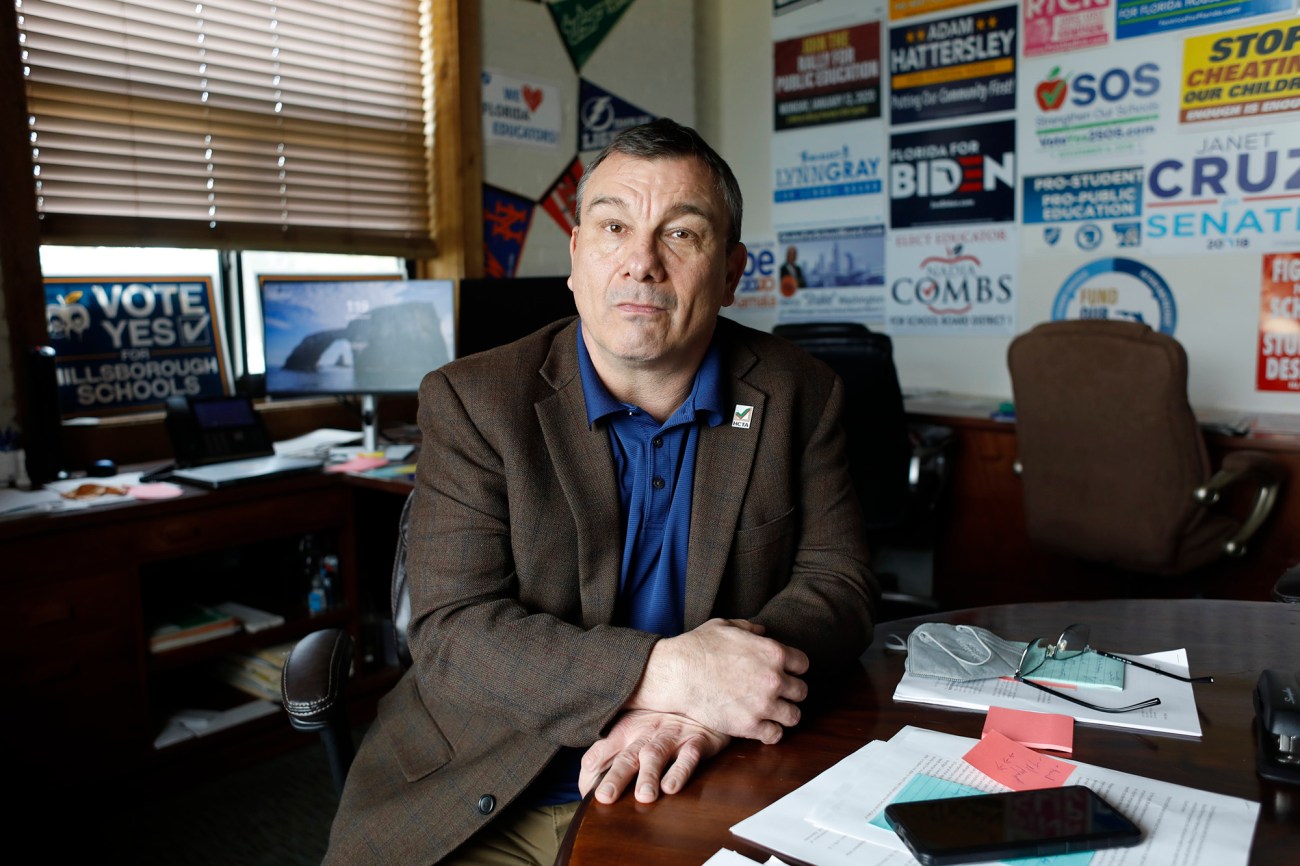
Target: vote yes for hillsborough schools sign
129, 344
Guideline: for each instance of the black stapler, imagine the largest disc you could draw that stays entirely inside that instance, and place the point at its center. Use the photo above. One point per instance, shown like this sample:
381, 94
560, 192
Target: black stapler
1277, 724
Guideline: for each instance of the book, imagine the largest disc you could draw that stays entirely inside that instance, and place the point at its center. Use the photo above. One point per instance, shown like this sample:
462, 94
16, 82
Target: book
255, 672
253, 619
190, 624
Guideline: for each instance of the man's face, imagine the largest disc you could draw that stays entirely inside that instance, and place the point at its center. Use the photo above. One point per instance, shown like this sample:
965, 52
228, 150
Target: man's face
650, 262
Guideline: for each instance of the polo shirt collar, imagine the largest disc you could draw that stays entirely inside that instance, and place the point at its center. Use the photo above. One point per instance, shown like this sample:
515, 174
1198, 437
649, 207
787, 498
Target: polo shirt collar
704, 402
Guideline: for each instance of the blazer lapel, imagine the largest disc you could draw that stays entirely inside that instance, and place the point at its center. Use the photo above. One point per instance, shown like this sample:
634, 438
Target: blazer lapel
723, 463
584, 465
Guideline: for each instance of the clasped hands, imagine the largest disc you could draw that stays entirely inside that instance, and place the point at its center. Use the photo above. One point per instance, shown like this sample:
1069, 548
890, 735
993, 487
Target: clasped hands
699, 689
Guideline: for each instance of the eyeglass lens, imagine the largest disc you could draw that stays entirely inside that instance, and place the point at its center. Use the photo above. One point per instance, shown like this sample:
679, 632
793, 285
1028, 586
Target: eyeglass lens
1032, 658
1072, 642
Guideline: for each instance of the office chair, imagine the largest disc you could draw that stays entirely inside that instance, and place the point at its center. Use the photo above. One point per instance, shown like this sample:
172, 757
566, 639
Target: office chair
1112, 461
313, 684
899, 469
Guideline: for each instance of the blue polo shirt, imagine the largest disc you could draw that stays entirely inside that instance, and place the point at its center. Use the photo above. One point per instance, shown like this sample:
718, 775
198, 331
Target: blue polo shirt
655, 467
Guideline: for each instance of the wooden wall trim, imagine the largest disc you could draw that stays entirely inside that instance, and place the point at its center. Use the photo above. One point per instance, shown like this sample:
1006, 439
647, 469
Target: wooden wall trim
457, 169
20, 266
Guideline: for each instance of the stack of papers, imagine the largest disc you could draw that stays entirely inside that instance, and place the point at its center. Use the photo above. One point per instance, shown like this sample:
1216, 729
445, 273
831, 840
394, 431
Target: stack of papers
838, 816
1175, 714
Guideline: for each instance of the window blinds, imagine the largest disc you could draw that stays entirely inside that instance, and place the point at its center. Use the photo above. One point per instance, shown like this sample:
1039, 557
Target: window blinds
297, 124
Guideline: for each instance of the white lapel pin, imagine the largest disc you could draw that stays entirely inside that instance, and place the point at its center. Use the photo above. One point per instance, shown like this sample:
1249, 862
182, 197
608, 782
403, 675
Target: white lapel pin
742, 416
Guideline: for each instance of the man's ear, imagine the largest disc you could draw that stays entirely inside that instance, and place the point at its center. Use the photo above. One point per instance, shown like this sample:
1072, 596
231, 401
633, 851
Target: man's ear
573, 248
737, 259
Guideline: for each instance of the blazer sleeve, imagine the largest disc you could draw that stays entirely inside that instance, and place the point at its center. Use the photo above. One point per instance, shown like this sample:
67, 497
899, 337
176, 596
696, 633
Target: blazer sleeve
826, 608
479, 638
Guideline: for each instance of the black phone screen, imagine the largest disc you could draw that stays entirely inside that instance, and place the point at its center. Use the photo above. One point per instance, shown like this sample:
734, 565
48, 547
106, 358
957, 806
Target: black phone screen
1005, 826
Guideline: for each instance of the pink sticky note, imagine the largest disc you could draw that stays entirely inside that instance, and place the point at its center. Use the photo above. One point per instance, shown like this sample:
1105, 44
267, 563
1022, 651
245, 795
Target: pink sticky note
1018, 767
1036, 730
157, 490
357, 464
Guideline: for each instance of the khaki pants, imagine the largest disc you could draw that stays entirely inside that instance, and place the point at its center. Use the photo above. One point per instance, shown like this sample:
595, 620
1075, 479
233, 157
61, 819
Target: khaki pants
522, 836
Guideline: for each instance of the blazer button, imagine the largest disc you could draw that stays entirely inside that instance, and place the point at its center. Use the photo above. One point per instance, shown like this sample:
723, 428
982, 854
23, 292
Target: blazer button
486, 804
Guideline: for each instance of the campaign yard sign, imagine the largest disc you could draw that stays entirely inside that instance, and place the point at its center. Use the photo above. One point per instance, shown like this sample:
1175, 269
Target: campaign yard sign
126, 343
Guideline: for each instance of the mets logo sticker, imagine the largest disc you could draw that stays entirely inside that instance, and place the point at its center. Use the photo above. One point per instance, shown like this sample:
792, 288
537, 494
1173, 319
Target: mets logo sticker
1117, 288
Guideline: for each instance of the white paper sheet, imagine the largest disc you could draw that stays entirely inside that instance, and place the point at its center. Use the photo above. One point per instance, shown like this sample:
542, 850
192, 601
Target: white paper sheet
1176, 713
827, 821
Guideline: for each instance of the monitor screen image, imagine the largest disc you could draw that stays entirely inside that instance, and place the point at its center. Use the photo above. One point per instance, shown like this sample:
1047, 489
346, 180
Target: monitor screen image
359, 336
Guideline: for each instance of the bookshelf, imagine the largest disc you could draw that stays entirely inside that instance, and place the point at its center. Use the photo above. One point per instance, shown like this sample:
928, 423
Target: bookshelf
81, 592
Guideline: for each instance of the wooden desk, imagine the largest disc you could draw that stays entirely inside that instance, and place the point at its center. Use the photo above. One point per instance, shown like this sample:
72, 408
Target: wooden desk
1232, 640
87, 698
983, 554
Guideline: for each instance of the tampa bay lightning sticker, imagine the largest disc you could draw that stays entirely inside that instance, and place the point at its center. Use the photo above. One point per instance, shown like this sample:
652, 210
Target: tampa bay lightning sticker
1117, 288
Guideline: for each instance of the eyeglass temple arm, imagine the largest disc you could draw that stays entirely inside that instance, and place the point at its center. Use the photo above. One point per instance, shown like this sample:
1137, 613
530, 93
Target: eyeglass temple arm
1149, 702
1153, 669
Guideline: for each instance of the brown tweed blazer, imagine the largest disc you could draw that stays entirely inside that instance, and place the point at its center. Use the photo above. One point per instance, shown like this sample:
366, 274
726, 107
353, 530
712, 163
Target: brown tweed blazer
515, 550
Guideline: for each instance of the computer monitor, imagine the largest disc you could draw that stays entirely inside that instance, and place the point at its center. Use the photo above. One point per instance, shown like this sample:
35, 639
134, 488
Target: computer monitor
361, 337
494, 312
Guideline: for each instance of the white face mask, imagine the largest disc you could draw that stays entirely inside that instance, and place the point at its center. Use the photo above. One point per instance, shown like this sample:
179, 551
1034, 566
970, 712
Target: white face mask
960, 653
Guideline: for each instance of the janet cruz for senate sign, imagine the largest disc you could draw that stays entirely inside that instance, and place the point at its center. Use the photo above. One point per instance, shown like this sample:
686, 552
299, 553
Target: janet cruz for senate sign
124, 343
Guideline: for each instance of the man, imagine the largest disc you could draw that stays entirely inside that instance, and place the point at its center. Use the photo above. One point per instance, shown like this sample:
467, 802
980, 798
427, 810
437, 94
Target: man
791, 273
633, 536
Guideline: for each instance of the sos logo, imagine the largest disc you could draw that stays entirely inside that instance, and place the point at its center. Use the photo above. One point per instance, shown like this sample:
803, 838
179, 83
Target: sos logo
1113, 85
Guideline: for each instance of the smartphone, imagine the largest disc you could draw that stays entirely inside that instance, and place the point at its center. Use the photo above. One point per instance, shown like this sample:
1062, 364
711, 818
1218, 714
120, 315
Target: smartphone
1007, 826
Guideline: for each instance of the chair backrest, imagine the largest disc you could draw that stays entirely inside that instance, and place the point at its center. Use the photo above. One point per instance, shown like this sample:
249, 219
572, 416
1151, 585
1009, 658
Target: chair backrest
880, 450
399, 592
1109, 449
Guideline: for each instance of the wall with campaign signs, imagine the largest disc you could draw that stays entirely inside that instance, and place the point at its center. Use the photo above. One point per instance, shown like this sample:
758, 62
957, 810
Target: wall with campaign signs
954, 172
560, 78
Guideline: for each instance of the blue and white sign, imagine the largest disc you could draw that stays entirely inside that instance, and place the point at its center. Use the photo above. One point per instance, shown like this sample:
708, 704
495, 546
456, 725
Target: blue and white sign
130, 344
520, 111
602, 115
1233, 191
1141, 17
1117, 288
829, 173
1083, 207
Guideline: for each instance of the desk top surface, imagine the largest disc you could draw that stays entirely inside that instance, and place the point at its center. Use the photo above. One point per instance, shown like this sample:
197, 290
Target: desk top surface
1233, 640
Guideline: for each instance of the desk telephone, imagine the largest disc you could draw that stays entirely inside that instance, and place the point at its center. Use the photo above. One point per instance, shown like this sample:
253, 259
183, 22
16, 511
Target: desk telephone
1277, 722
214, 430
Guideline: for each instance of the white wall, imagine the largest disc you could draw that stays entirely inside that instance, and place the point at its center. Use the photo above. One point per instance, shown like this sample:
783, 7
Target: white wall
647, 60
1218, 295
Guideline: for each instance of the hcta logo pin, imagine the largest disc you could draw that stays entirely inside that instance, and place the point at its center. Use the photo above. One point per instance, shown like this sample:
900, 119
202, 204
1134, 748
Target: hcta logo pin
742, 416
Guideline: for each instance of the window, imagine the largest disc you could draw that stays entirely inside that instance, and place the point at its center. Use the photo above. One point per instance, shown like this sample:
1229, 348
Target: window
299, 124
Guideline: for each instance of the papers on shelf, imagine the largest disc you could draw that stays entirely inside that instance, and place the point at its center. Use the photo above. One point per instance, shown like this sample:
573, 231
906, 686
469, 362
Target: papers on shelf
189, 723
837, 817
1175, 714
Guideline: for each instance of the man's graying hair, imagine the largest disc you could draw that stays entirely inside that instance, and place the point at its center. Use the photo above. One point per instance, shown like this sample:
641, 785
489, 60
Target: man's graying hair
668, 139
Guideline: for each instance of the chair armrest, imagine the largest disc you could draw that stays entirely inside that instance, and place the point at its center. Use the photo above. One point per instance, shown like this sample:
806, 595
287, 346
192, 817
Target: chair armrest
315, 678
1253, 467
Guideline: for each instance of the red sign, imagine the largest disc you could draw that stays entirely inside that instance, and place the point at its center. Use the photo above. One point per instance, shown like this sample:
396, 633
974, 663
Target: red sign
1279, 324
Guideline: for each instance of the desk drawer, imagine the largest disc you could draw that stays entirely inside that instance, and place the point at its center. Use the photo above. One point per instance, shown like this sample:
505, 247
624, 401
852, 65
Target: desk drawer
248, 521
40, 615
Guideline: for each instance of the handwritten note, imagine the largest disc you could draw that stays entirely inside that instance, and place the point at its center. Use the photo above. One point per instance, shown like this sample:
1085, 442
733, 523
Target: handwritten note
1015, 765
1035, 730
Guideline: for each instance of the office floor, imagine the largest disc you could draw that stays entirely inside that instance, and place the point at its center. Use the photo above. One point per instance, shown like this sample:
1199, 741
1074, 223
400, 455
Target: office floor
276, 813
